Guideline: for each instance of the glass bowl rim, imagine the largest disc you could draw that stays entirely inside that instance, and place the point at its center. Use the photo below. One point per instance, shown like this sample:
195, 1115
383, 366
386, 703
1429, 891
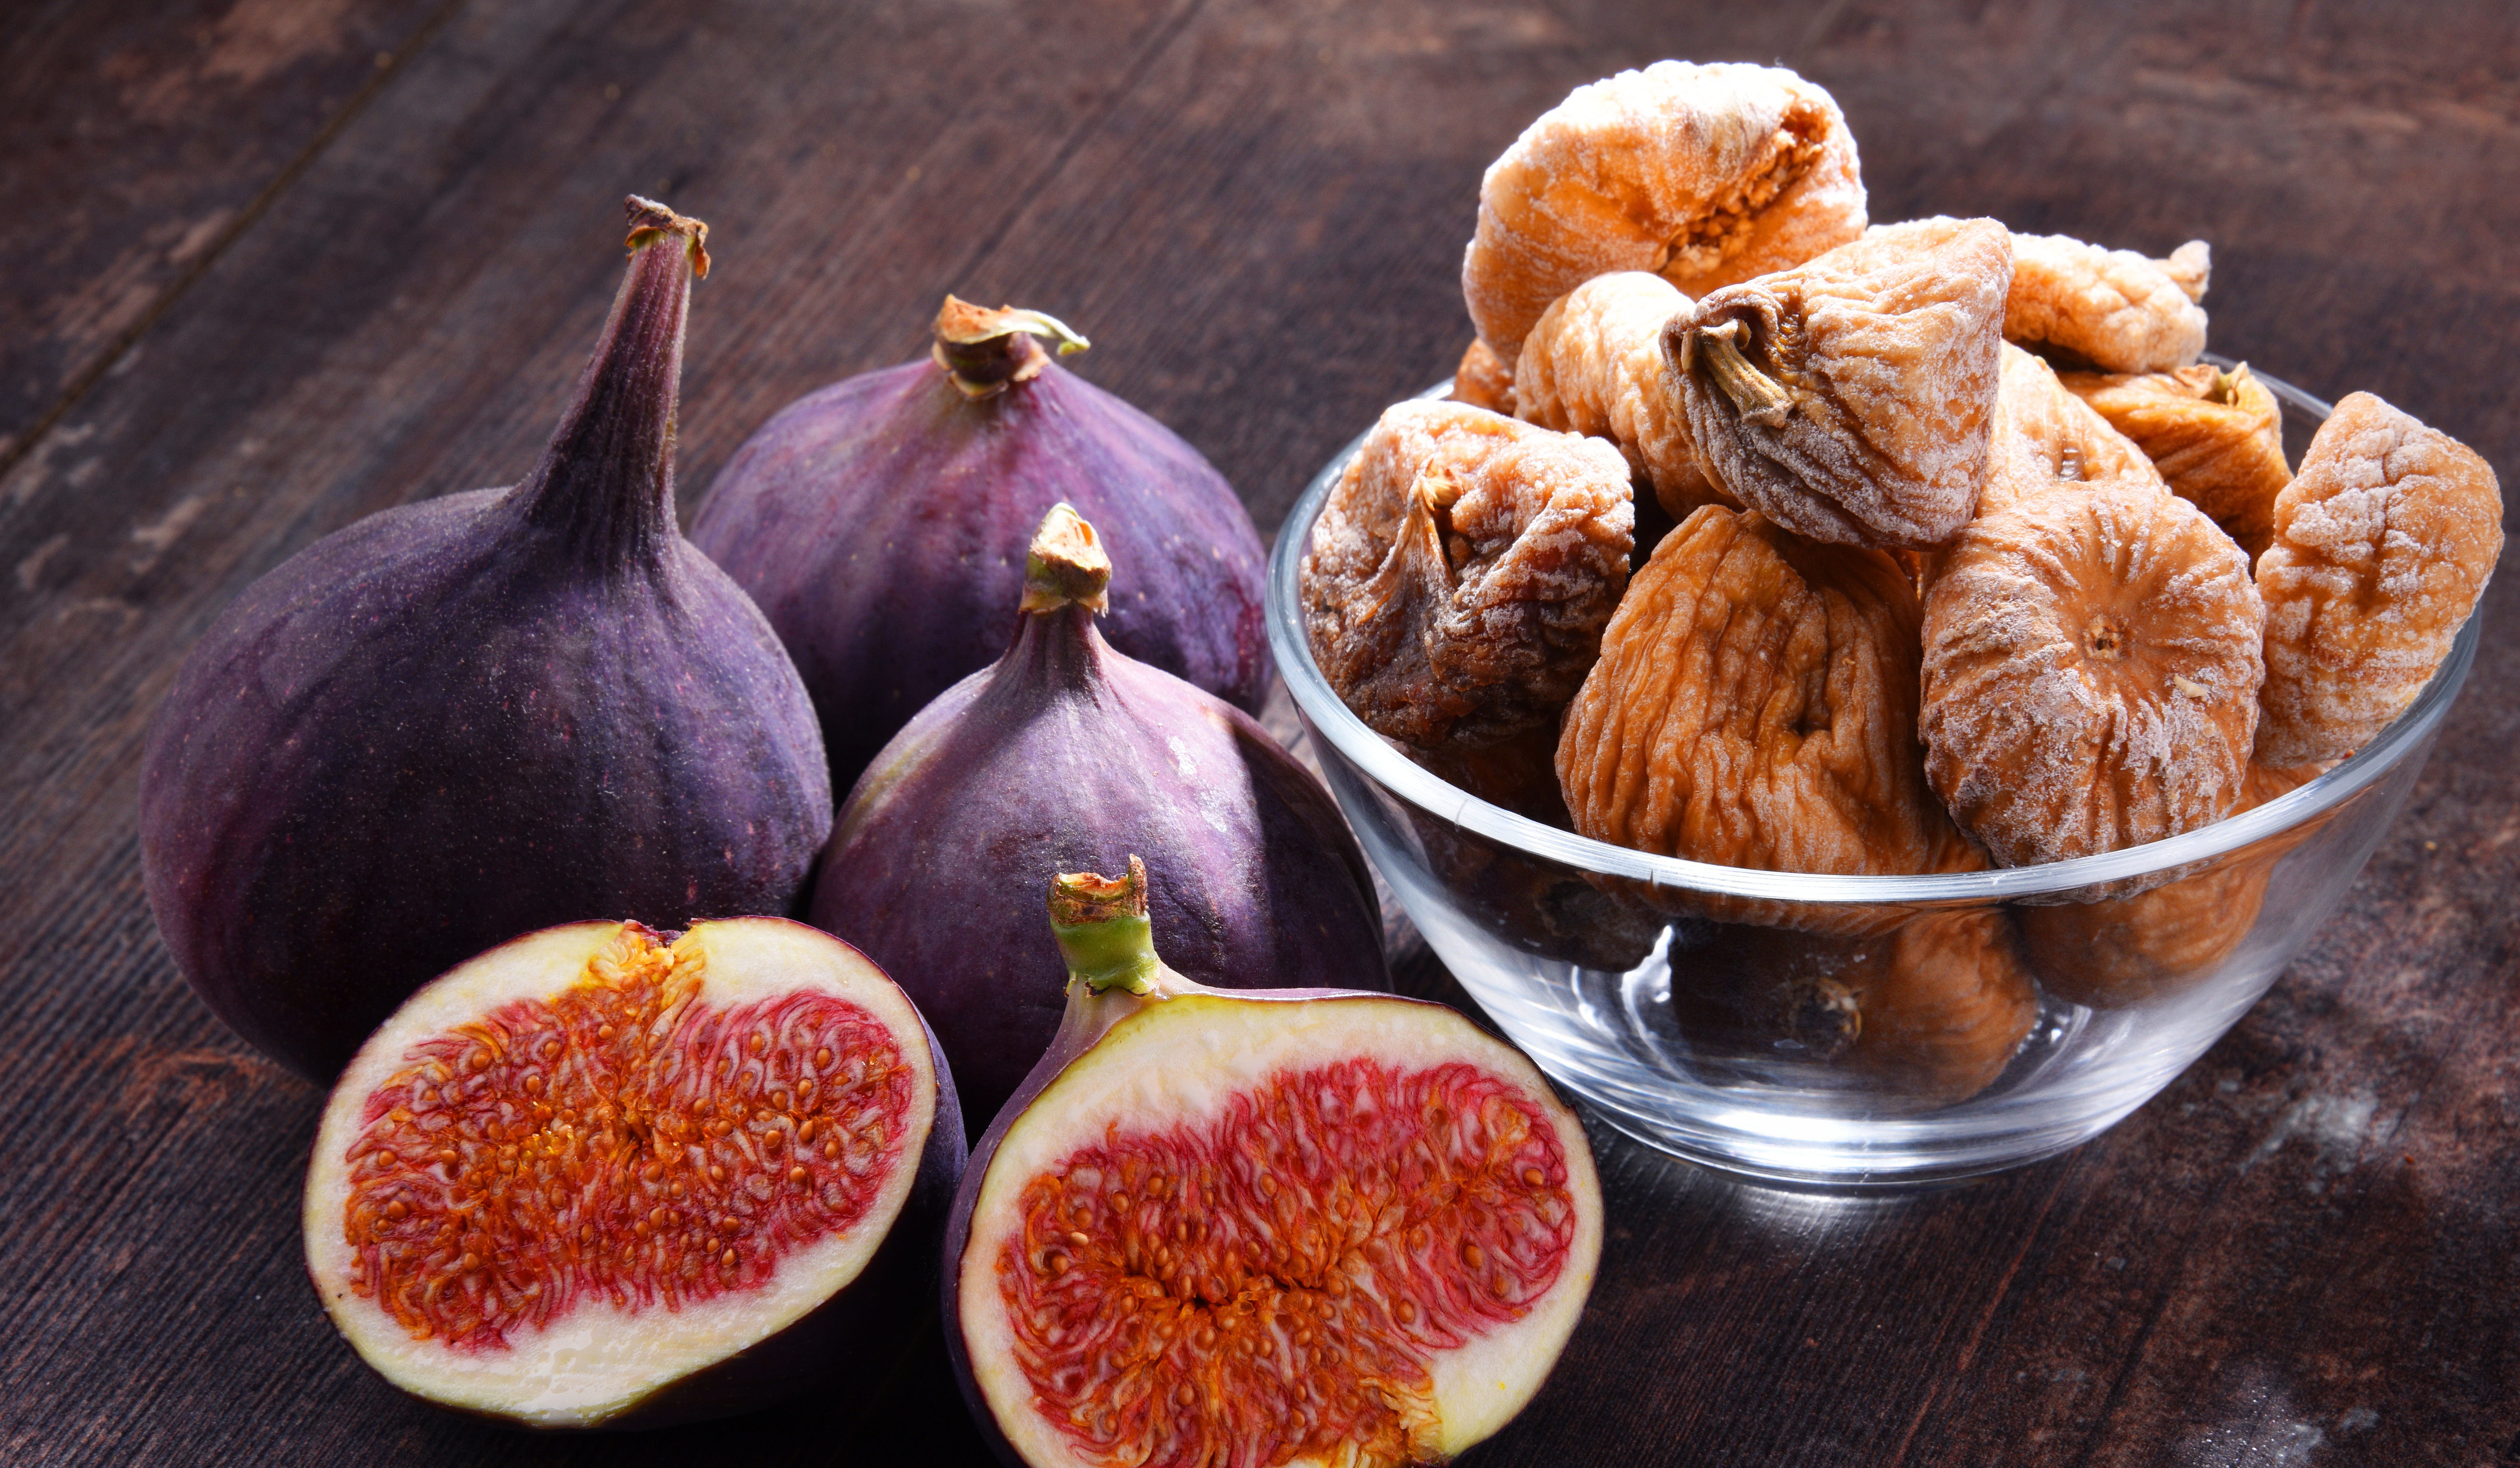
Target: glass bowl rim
1330, 720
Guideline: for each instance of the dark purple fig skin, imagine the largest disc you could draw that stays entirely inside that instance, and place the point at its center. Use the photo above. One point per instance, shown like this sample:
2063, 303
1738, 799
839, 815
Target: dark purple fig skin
464, 719
1066, 756
881, 523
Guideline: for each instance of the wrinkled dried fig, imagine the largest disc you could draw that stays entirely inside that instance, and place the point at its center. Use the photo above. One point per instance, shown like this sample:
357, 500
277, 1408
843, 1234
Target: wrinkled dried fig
2382, 546
1594, 366
2090, 671
2110, 309
2044, 433
1933, 1011
1462, 571
1755, 705
2216, 437
1847, 399
1701, 174
1483, 381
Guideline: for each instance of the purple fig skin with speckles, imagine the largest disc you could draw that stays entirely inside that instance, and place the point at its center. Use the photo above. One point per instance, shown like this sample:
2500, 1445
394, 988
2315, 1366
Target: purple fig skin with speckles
880, 525
1063, 755
470, 718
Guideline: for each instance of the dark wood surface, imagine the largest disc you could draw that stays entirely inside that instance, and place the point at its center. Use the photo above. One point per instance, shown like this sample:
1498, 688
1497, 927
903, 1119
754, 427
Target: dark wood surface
271, 265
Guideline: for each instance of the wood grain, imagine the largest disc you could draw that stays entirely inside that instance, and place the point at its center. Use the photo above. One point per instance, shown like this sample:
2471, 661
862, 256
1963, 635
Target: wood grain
2301, 1252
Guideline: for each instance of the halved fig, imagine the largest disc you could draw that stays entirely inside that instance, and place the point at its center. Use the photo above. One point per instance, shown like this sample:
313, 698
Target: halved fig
1260, 1226
595, 1178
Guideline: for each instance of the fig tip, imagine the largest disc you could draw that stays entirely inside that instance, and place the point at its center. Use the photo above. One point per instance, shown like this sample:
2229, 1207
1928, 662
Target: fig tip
651, 220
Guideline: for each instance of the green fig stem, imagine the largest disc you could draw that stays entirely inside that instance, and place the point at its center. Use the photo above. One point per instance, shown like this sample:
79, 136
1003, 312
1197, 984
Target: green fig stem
985, 352
1102, 927
1065, 566
606, 483
1756, 396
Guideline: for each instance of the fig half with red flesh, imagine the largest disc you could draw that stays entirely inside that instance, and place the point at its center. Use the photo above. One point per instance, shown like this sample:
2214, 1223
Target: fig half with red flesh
1263, 1228
597, 1178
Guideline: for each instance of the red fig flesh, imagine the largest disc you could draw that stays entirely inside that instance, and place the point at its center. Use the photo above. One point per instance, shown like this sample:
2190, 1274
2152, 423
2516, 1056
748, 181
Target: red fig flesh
594, 1178
1063, 755
1261, 1228
876, 520
467, 719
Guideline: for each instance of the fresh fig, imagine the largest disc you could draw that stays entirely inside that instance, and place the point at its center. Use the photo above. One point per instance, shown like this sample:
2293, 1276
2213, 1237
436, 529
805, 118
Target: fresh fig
1268, 1226
597, 1179
1066, 754
876, 521
467, 719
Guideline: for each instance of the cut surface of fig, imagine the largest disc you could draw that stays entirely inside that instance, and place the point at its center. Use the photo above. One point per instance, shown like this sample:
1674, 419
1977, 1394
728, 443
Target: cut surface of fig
1267, 1228
595, 1178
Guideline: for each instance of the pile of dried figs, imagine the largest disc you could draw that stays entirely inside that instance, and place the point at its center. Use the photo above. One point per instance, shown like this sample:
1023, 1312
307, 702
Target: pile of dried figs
1971, 564
492, 810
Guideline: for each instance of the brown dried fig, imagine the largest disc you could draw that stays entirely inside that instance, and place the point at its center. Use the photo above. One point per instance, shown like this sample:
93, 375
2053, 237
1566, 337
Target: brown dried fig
1594, 366
2381, 547
2216, 437
1701, 174
1932, 1011
2090, 671
1484, 382
2112, 309
2044, 433
1462, 571
1755, 705
1848, 399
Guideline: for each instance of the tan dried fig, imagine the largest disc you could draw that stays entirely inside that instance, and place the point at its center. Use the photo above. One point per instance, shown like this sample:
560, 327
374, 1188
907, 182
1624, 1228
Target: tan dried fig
1594, 366
2112, 309
1848, 399
2216, 437
1701, 174
1461, 573
2382, 546
1484, 382
1755, 705
2090, 671
2044, 433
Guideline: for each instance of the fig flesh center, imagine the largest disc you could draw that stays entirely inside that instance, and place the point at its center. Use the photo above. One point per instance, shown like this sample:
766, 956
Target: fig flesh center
1271, 1283
621, 1141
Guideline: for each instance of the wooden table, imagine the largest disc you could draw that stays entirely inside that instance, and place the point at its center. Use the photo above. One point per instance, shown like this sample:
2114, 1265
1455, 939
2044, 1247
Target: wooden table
271, 265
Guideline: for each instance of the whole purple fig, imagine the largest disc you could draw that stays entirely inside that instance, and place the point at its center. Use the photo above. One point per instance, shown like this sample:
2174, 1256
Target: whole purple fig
467, 719
876, 521
1064, 754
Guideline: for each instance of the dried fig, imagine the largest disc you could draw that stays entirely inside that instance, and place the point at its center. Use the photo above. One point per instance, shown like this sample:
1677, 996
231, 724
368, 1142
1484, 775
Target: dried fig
1933, 1009
2090, 671
1702, 174
2044, 433
1848, 399
1461, 573
2382, 546
1483, 381
1594, 366
2216, 437
1755, 705
2112, 309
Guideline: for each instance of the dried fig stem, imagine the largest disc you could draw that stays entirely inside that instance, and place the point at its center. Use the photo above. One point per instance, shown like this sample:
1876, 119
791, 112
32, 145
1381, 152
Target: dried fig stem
606, 483
1065, 565
1760, 398
985, 352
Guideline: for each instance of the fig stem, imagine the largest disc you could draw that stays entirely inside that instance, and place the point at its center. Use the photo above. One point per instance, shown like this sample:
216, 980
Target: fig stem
1755, 395
1065, 565
1102, 930
985, 352
606, 482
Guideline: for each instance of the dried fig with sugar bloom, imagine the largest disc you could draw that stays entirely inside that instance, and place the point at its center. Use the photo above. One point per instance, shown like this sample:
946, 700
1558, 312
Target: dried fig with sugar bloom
1594, 366
1462, 571
2090, 671
2216, 437
1701, 174
2112, 308
2382, 546
2044, 433
1848, 399
1755, 705
1482, 381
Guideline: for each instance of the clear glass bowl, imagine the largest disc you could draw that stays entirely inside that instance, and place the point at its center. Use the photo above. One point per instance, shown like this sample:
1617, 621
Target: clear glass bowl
1634, 981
